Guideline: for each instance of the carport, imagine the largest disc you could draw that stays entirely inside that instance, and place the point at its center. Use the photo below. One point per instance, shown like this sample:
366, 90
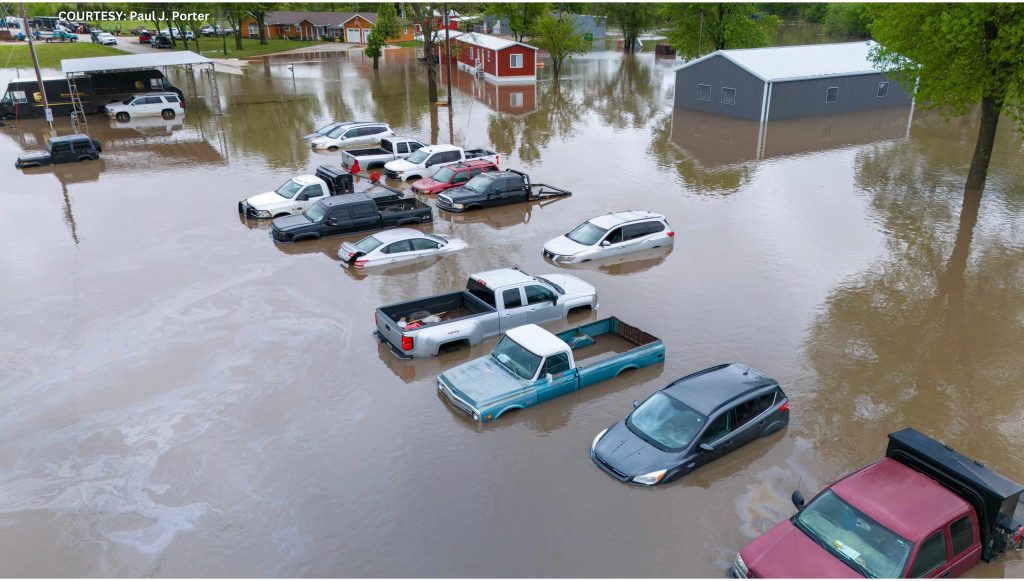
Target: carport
76, 68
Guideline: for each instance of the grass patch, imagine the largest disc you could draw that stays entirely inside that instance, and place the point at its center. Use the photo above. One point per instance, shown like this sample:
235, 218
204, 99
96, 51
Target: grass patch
17, 55
409, 43
214, 47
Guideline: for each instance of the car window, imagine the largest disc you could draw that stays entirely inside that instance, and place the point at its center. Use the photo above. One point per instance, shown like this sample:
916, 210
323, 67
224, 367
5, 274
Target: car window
81, 145
312, 191
452, 156
475, 172
364, 210
424, 244
962, 534
633, 231
61, 147
364, 131
395, 247
718, 428
931, 555
402, 148
511, 298
415, 146
615, 236
460, 176
153, 100
351, 133
171, 100
749, 410
557, 363
340, 212
537, 294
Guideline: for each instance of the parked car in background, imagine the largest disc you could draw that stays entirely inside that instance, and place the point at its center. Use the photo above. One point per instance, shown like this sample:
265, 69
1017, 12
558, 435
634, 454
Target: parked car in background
398, 245
493, 302
63, 150
924, 510
62, 36
105, 38
296, 195
429, 160
323, 130
177, 34
338, 215
145, 37
611, 234
391, 148
690, 422
531, 365
167, 105
452, 176
352, 134
162, 41
488, 190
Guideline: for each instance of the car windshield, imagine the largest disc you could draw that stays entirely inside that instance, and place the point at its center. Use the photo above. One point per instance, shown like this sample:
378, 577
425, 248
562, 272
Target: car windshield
665, 422
325, 128
853, 537
586, 234
367, 244
128, 101
479, 183
419, 157
336, 132
289, 189
315, 213
516, 358
444, 174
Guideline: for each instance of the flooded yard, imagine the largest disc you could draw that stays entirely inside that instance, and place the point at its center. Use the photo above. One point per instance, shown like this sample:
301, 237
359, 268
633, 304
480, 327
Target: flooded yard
179, 396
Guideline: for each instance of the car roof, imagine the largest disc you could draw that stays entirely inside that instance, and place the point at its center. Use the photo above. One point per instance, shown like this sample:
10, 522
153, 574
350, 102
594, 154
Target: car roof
707, 390
156, 94
470, 163
359, 123
305, 180
396, 234
501, 277
332, 201
439, 147
537, 340
612, 219
900, 498
76, 137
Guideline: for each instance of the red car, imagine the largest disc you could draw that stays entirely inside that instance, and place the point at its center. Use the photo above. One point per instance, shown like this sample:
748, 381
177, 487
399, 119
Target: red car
453, 175
922, 511
145, 37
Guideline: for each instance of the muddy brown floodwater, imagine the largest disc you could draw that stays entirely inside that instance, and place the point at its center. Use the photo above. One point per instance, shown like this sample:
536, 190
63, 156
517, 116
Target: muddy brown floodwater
181, 397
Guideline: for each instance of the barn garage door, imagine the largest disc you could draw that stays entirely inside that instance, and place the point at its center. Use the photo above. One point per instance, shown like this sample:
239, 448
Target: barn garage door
352, 35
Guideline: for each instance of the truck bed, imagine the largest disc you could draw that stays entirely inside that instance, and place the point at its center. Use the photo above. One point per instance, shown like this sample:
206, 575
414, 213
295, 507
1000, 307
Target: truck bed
437, 309
365, 152
477, 153
604, 348
545, 191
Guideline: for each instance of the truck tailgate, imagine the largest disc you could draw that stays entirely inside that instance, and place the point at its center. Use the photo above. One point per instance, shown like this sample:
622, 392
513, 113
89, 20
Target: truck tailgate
388, 332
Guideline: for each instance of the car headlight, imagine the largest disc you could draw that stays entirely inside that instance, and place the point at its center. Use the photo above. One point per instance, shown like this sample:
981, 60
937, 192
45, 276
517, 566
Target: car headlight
594, 444
651, 478
263, 213
458, 206
740, 568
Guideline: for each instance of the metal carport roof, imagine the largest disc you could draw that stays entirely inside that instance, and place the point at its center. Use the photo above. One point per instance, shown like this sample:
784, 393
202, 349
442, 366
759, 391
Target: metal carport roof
132, 61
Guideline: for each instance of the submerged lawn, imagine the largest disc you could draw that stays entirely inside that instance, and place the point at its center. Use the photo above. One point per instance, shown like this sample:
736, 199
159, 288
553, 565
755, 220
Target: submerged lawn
16, 54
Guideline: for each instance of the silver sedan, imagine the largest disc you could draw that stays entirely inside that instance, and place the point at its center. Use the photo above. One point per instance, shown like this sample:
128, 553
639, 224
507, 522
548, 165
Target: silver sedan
398, 245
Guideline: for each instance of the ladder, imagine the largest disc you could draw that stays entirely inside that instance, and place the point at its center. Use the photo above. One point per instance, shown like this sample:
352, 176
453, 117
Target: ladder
214, 91
78, 121
190, 78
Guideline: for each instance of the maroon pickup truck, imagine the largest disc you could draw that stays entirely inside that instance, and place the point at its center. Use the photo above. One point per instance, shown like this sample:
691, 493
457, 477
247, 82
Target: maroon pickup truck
453, 175
922, 511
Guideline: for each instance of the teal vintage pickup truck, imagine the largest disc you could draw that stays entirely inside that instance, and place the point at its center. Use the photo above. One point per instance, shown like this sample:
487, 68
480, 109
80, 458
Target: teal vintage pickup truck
531, 365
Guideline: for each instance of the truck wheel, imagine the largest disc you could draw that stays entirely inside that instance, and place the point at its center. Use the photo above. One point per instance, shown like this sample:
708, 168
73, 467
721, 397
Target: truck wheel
8, 116
167, 114
411, 179
122, 116
282, 214
332, 148
453, 346
84, 158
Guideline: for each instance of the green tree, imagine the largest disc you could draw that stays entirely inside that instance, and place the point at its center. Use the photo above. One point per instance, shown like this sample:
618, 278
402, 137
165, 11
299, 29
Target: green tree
698, 29
559, 37
259, 12
520, 16
374, 46
957, 56
423, 13
631, 18
851, 19
233, 15
387, 21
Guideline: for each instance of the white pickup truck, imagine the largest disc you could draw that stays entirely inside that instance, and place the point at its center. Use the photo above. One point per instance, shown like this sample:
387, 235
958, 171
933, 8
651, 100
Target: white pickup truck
428, 160
297, 194
391, 148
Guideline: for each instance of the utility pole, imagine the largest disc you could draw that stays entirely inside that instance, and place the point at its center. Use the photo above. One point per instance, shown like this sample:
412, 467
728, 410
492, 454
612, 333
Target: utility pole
448, 51
35, 62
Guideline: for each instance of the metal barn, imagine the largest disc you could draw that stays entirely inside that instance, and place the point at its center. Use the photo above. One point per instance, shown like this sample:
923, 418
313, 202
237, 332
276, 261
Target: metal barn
785, 82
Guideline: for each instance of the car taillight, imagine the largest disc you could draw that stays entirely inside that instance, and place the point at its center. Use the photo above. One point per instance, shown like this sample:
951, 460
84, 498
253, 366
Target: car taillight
406, 343
375, 323
361, 262
671, 234
784, 407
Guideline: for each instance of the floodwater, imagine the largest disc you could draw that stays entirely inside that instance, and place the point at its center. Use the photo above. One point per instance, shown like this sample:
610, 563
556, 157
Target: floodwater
181, 397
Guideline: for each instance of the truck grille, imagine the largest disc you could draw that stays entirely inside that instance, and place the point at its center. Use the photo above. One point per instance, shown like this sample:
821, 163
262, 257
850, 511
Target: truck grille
454, 400
278, 235
391, 174
443, 202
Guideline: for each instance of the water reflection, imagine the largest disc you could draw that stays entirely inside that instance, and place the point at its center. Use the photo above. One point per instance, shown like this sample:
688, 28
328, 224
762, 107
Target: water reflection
632, 263
499, 217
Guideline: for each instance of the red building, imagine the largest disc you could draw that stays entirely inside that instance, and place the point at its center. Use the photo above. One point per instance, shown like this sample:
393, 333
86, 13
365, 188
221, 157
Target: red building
499, 60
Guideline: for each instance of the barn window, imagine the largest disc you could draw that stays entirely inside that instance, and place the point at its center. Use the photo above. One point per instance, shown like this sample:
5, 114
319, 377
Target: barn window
728, 96
883, 89
515, 61
703, 92
253, 30
471, 55
832, 95
515, 100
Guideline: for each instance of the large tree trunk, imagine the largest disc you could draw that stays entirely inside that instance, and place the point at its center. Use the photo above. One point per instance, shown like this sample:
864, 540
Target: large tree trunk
375, 63
991, 107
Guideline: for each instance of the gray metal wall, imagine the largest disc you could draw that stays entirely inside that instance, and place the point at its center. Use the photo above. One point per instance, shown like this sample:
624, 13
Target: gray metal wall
856, 93
719, 72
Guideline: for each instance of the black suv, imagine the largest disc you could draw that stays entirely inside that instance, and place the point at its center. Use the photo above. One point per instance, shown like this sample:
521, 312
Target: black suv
63, 150
691, 422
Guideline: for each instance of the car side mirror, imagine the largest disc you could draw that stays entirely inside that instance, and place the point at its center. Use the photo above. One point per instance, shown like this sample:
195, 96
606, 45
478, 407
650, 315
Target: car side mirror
707, 448
798, 500
554, 300
605, 243
636, 404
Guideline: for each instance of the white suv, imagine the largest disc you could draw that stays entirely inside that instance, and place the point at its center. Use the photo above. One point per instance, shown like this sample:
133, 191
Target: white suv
166, 105
349, 134
611, 234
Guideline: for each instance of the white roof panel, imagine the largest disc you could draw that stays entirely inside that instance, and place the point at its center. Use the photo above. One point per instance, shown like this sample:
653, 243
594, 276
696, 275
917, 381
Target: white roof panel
484, 40
612, 219
537, 340
788, 63
132, 61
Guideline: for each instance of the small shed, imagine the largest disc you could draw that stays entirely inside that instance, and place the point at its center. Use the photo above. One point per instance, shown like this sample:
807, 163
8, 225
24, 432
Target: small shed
784, 82
499, 60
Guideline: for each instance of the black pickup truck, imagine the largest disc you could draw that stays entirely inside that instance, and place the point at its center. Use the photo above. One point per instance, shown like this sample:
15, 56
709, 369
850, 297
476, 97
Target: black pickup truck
497, 188
339, 215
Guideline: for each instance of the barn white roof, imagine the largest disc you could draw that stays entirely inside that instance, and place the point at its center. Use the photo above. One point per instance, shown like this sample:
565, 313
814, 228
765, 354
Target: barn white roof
790, 63
132, 61
483, 40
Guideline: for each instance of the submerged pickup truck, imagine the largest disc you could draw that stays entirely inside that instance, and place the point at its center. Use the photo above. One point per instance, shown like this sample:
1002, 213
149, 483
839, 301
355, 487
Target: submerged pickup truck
391, 148
497, 188
530, 365
338, 215
923, 510
296, 195
493, 302
428, 160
